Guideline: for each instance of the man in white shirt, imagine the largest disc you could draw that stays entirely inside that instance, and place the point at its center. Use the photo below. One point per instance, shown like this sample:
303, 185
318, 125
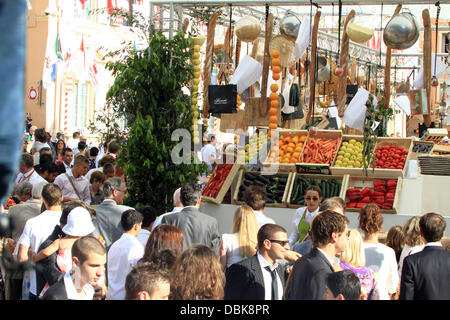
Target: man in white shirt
124, 254
209, 152
260, 277
178, 206
67, 161
27, 172
255, 197
73, 142
101, 152
149, 216
86, 281
38, 229
77, 188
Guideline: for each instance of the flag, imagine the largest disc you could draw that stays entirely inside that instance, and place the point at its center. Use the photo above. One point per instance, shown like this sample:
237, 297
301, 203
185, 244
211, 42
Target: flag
82, 3
58, 49
110, 6
84, 52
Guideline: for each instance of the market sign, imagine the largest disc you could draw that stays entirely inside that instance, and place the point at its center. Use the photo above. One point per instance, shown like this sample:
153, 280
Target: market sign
313, 168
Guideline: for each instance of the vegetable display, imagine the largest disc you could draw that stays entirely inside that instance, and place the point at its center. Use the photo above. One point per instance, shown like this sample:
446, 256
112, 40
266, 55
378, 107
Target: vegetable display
274, 186
287, 149
330, 188
217, 180
390, 157
320, 150
382, 194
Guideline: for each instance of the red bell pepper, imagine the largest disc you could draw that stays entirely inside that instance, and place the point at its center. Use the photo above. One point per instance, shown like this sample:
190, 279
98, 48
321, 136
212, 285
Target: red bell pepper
379, 182
351, 204
365, 200
360, 204
376, 194
386, 206
366, 192
379, 200
354, 197
380, 189
390, 196
391, 183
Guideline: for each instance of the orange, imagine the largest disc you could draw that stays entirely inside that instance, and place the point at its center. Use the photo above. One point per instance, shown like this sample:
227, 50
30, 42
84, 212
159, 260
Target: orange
295, 139
284, 147
273, 119
275, 76
273, 96
276, 69
291, 144
288, 139
287, 155
275, 62
273, 125
298, 148
274, 103
293, 160
282, 138
275, 53
274, 87
303, 138
296, 155
273, 111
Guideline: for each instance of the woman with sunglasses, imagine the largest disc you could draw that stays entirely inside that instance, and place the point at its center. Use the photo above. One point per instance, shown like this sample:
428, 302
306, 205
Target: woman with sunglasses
303, 216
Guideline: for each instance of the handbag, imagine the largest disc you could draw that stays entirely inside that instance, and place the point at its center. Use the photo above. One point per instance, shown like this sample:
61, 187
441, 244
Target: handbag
222, 98
73, 186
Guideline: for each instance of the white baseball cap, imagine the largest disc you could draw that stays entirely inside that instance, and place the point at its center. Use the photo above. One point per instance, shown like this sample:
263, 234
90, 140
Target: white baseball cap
79, 223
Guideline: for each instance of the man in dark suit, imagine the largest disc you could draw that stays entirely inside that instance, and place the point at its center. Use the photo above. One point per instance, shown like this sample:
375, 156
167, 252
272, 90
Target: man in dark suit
109, 212
67, 160
87, 275
426, 274
329, 234
197, 227
260, 277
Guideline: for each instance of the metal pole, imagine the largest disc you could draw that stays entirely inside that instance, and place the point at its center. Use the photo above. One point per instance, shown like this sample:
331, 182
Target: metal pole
171, 21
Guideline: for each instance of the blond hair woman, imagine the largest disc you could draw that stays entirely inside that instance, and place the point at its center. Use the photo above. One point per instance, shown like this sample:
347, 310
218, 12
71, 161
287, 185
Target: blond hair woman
413, 241
242, 241
353, 258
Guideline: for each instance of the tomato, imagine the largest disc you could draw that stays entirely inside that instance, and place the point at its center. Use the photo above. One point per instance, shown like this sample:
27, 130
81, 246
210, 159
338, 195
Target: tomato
381, 163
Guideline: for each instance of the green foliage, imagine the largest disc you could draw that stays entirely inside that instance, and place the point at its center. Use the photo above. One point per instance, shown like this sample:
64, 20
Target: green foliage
147, 92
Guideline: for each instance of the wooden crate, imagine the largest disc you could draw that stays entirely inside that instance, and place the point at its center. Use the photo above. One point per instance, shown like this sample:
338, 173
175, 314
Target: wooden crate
343, 179
241, 179
344, 170
392, 173
435, 134
417, 143
362, 182
226, 185
284, 167
322, 134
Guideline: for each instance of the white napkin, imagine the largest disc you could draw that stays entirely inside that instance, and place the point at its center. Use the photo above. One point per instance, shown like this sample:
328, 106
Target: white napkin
247, 73
303, 38
402, 101
356, 111
441, 69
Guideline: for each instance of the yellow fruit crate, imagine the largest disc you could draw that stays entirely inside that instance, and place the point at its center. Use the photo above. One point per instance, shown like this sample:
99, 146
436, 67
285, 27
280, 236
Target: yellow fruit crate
336, 169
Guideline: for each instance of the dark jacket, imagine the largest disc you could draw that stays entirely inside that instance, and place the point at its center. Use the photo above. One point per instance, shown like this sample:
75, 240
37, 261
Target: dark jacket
46, 269
56, 292
426, 275
244, 280
308, 277
197, 228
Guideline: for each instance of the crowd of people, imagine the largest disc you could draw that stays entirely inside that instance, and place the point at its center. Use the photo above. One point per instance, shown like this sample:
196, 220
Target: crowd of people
76, 240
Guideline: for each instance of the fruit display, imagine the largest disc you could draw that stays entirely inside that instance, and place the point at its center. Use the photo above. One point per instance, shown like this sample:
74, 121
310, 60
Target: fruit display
274, 185
217, 180
320, 150
194, 93
273, 111
390, 156
256, 143
287, 149
382, 194
330, 188
350, 154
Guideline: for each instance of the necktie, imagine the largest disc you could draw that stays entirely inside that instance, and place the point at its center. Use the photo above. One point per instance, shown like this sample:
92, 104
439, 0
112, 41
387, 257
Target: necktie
274, 283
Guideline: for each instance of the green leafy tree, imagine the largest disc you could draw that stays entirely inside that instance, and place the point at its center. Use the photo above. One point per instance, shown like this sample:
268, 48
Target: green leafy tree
147, 92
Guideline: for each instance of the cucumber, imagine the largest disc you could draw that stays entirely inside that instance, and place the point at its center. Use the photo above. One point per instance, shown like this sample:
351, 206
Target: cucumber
249, 176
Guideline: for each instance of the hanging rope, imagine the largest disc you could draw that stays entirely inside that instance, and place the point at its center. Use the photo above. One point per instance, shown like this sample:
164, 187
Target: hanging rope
437, 4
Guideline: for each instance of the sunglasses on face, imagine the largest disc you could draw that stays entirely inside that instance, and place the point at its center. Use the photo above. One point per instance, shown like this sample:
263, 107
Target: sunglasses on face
313, 198
282, 243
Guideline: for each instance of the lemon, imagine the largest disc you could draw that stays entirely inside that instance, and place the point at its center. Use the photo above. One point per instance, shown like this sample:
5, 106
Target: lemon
347, 155
196, 74
341, 152
196, 48
196, 81
352, 141
340, 157
196, 62
338, 163
344, 149
195, 114
345, 143
196, 55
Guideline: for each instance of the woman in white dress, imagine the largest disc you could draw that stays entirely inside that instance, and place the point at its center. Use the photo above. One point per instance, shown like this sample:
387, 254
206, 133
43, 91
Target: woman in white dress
413, 241
303, 216
242, 241
379, 257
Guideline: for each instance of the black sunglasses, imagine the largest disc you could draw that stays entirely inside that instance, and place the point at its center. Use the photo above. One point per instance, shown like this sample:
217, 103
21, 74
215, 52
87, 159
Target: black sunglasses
280, 242
313, 198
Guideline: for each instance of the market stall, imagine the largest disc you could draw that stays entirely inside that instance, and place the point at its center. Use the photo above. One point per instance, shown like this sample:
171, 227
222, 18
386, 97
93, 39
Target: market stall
315, 93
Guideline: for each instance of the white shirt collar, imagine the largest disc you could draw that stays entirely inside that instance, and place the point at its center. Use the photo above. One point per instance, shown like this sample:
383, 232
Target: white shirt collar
434, 244
72, 293
331, 261
264, 263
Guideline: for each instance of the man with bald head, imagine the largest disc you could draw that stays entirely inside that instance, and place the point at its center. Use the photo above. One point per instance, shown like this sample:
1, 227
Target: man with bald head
178, 206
